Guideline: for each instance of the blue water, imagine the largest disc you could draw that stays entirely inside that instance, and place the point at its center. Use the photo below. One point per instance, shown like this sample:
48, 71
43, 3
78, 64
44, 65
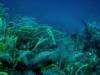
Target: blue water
65, 15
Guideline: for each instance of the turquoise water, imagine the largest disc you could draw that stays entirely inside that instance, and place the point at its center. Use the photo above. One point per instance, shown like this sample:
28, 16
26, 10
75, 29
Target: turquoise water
66, 13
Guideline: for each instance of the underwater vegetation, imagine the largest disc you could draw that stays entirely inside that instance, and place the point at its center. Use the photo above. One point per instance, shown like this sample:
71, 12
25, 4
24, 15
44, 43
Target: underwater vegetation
30, 48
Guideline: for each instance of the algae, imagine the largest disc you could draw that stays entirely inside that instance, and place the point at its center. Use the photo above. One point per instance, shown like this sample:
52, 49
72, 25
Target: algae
28, 47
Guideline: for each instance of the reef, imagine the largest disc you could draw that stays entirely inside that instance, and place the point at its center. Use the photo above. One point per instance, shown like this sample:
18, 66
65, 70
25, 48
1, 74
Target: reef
31, 48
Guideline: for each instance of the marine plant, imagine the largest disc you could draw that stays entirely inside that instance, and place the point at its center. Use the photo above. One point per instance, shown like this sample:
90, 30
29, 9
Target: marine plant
28, 47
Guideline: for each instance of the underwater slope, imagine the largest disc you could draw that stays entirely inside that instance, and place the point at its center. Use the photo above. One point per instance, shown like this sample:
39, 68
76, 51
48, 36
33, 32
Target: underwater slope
30, 48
